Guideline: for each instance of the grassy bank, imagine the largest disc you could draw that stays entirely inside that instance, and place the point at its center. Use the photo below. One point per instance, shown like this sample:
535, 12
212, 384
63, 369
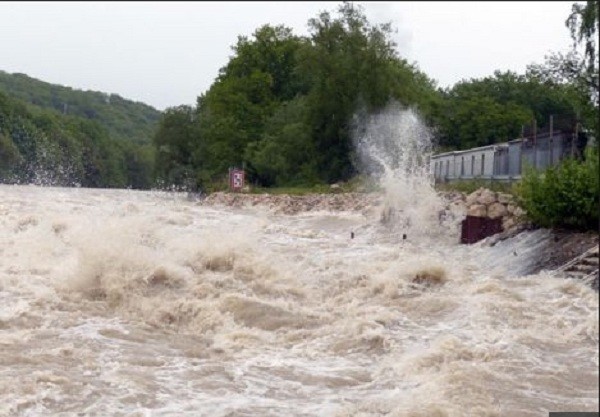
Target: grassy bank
468, 186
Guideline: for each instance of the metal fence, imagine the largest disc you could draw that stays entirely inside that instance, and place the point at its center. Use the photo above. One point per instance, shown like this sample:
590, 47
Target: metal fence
507, 161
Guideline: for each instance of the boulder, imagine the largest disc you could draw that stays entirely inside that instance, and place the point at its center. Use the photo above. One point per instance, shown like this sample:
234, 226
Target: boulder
457, 207
504, 198
496, 210
486, 197
477, 210
508, 223
518, 212
472, 198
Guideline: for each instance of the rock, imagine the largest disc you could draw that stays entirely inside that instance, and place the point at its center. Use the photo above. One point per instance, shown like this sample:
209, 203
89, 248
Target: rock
472, 198
508, 223
477, 210
457, 207
486, 197
496, 210
518, 212
510, 208
504, 198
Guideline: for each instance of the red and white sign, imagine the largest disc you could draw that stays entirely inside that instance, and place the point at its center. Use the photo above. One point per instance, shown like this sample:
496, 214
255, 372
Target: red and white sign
236, 179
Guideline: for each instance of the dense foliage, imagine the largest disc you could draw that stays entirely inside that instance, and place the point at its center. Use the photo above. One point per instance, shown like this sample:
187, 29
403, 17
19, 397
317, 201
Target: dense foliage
565, 195
495, 109
282, 107
57, 135
44, 147
124, 120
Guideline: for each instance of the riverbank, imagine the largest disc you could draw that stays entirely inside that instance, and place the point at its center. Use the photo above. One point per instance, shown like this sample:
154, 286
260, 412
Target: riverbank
294, 204
561, 246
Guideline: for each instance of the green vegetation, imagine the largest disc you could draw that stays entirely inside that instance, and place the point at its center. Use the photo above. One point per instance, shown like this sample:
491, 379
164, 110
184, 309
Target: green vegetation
356, 184
468, 186
494, 109
284, 108
124, 120
56, 135
42, 146
565, 195
283, 105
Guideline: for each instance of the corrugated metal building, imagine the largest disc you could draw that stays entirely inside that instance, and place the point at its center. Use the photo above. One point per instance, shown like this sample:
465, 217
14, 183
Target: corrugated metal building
506, 161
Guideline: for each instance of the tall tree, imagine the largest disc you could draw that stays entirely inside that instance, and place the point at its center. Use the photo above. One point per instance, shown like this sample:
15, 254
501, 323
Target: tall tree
232, 115
493, 109
174, 141
574, 70
583, 24
283, 105
351, 63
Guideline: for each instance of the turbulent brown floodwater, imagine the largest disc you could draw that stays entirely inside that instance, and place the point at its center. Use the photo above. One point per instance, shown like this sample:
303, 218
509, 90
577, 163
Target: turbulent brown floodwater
128, 303
147, 304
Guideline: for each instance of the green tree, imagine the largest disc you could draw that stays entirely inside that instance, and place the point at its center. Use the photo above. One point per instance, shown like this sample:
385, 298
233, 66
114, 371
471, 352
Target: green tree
232, 115
285, 155
352, 64
124, 120
9, 157
174, 142
574, 70
493, 109
282, 106
583, 25
42, 146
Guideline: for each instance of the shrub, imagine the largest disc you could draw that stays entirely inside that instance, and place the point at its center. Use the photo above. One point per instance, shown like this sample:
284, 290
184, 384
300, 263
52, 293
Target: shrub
565, 195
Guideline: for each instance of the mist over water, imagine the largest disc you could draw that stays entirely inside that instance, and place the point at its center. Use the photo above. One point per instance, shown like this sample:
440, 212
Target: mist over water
130, 303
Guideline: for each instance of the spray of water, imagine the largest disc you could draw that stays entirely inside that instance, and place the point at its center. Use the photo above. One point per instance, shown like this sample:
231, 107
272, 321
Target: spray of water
393, 147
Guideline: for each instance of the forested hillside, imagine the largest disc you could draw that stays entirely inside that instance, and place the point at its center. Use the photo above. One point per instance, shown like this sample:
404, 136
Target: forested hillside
124, 120
42, 146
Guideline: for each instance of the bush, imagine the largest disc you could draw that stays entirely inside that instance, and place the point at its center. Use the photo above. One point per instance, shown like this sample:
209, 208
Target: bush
565, 195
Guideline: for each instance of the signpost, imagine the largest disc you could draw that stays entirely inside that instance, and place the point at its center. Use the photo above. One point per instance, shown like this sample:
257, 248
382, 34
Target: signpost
236, 179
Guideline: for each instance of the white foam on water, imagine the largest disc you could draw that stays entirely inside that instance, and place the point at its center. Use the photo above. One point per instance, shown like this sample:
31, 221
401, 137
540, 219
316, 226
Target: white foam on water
118, 302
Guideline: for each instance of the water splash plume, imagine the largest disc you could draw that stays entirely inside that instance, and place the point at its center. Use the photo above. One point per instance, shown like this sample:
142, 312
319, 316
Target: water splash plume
393, 146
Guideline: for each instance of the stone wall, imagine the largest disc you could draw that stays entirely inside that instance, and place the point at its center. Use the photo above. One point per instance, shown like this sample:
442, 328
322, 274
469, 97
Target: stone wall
487, 203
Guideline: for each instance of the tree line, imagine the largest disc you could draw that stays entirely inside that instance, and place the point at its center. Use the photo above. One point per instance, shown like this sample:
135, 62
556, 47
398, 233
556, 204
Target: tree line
51, 134
124, 120
284, 108
284, 105
39, 145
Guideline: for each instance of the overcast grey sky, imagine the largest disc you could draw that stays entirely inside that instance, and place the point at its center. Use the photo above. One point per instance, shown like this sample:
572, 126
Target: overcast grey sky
168, 53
